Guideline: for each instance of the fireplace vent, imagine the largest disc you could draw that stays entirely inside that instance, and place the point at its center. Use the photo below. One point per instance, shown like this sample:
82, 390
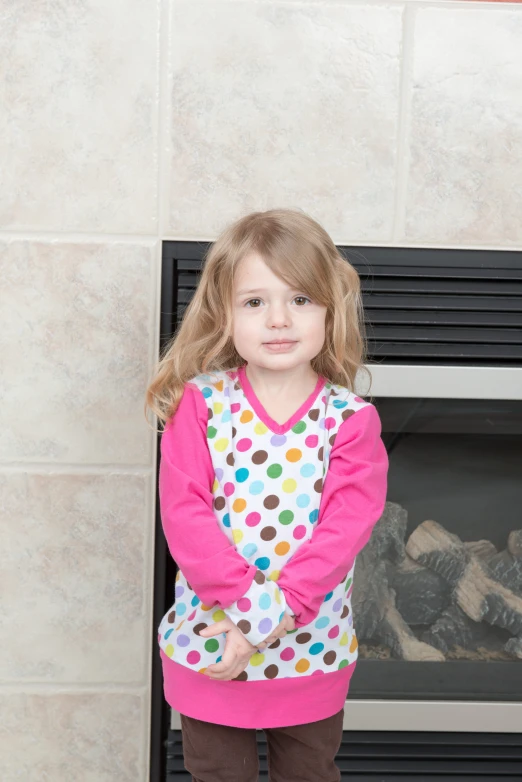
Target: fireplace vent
422, 306
401, 757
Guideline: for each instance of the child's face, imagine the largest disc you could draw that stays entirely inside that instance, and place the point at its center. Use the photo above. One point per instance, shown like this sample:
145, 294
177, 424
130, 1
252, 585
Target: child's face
265, 309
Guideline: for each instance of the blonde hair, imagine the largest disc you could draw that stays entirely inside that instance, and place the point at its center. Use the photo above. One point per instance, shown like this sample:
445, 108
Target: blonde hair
300, 252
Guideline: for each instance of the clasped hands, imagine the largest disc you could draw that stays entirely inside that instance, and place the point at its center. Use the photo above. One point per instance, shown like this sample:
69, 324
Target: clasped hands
238, 650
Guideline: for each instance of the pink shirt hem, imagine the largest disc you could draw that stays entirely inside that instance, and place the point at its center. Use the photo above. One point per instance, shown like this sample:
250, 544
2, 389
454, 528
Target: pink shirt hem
275, 703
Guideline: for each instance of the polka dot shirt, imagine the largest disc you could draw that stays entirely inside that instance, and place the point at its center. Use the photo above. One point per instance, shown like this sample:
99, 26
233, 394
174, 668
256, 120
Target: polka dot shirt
266, 497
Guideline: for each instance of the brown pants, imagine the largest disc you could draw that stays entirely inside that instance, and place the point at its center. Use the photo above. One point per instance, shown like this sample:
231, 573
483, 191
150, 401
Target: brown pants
300, 753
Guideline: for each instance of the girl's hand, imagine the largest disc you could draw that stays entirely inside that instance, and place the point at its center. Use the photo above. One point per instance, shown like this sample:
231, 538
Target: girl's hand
237, 652
286, 625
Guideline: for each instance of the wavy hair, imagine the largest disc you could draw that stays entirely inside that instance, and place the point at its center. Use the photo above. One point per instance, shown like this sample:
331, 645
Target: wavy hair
300, 252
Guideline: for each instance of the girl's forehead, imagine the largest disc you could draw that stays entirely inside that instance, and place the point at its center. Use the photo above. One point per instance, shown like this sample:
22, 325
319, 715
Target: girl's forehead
252, 269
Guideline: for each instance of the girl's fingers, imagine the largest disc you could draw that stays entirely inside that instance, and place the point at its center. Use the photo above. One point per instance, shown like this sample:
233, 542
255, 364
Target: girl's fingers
215, 629
271, 639
227, 673
217, 668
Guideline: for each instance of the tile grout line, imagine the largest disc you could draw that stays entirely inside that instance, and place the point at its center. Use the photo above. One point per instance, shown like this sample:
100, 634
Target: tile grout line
403, 125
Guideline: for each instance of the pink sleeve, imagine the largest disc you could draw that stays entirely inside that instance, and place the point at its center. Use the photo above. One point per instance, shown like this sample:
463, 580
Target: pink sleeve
211, 564
353, 500
217, 573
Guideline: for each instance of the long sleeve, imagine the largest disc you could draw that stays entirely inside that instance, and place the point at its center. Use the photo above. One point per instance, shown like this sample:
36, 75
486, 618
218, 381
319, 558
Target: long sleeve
217, 573
353, 499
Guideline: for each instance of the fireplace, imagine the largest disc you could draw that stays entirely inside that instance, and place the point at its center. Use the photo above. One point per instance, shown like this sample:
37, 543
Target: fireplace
439, 680
433, 623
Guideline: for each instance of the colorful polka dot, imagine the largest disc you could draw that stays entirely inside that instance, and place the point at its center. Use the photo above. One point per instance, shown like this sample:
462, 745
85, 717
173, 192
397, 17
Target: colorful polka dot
294, 454
249, 550
239, 505
303, 501
299, 532
274, 471
242, 474
253, 519
323, 621
263, 563
221, 444
307, 470
244, 604
244, 444
193, 657
282, 548
256, 487
277, 440
264, 626
286, 517
237, 535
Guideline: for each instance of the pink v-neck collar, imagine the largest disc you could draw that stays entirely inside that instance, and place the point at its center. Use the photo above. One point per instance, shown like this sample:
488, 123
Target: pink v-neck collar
263, 415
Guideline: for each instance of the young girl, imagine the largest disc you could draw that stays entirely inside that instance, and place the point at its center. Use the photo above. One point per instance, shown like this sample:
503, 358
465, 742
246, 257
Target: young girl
272, 476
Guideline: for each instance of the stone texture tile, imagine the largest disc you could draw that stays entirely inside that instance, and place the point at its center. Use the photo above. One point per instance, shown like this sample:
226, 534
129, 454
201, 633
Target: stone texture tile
74, 578
72, 738
465, 167
284, 105
78, 128
75, 339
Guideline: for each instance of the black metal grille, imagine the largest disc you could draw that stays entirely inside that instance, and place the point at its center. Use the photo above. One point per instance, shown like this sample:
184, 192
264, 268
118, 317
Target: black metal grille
421, 306
394, 756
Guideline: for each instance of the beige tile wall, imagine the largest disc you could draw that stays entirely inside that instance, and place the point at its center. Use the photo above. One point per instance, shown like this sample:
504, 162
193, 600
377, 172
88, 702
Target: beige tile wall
127, 123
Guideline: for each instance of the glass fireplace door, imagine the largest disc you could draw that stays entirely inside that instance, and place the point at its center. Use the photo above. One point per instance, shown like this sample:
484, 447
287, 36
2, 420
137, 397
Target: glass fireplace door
438, 590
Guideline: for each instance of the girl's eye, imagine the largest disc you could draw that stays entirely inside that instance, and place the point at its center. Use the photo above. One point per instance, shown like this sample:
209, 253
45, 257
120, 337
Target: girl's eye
255, 303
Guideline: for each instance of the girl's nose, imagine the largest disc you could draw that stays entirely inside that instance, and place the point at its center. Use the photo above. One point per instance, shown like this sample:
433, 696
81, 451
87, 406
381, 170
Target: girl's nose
278, 316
